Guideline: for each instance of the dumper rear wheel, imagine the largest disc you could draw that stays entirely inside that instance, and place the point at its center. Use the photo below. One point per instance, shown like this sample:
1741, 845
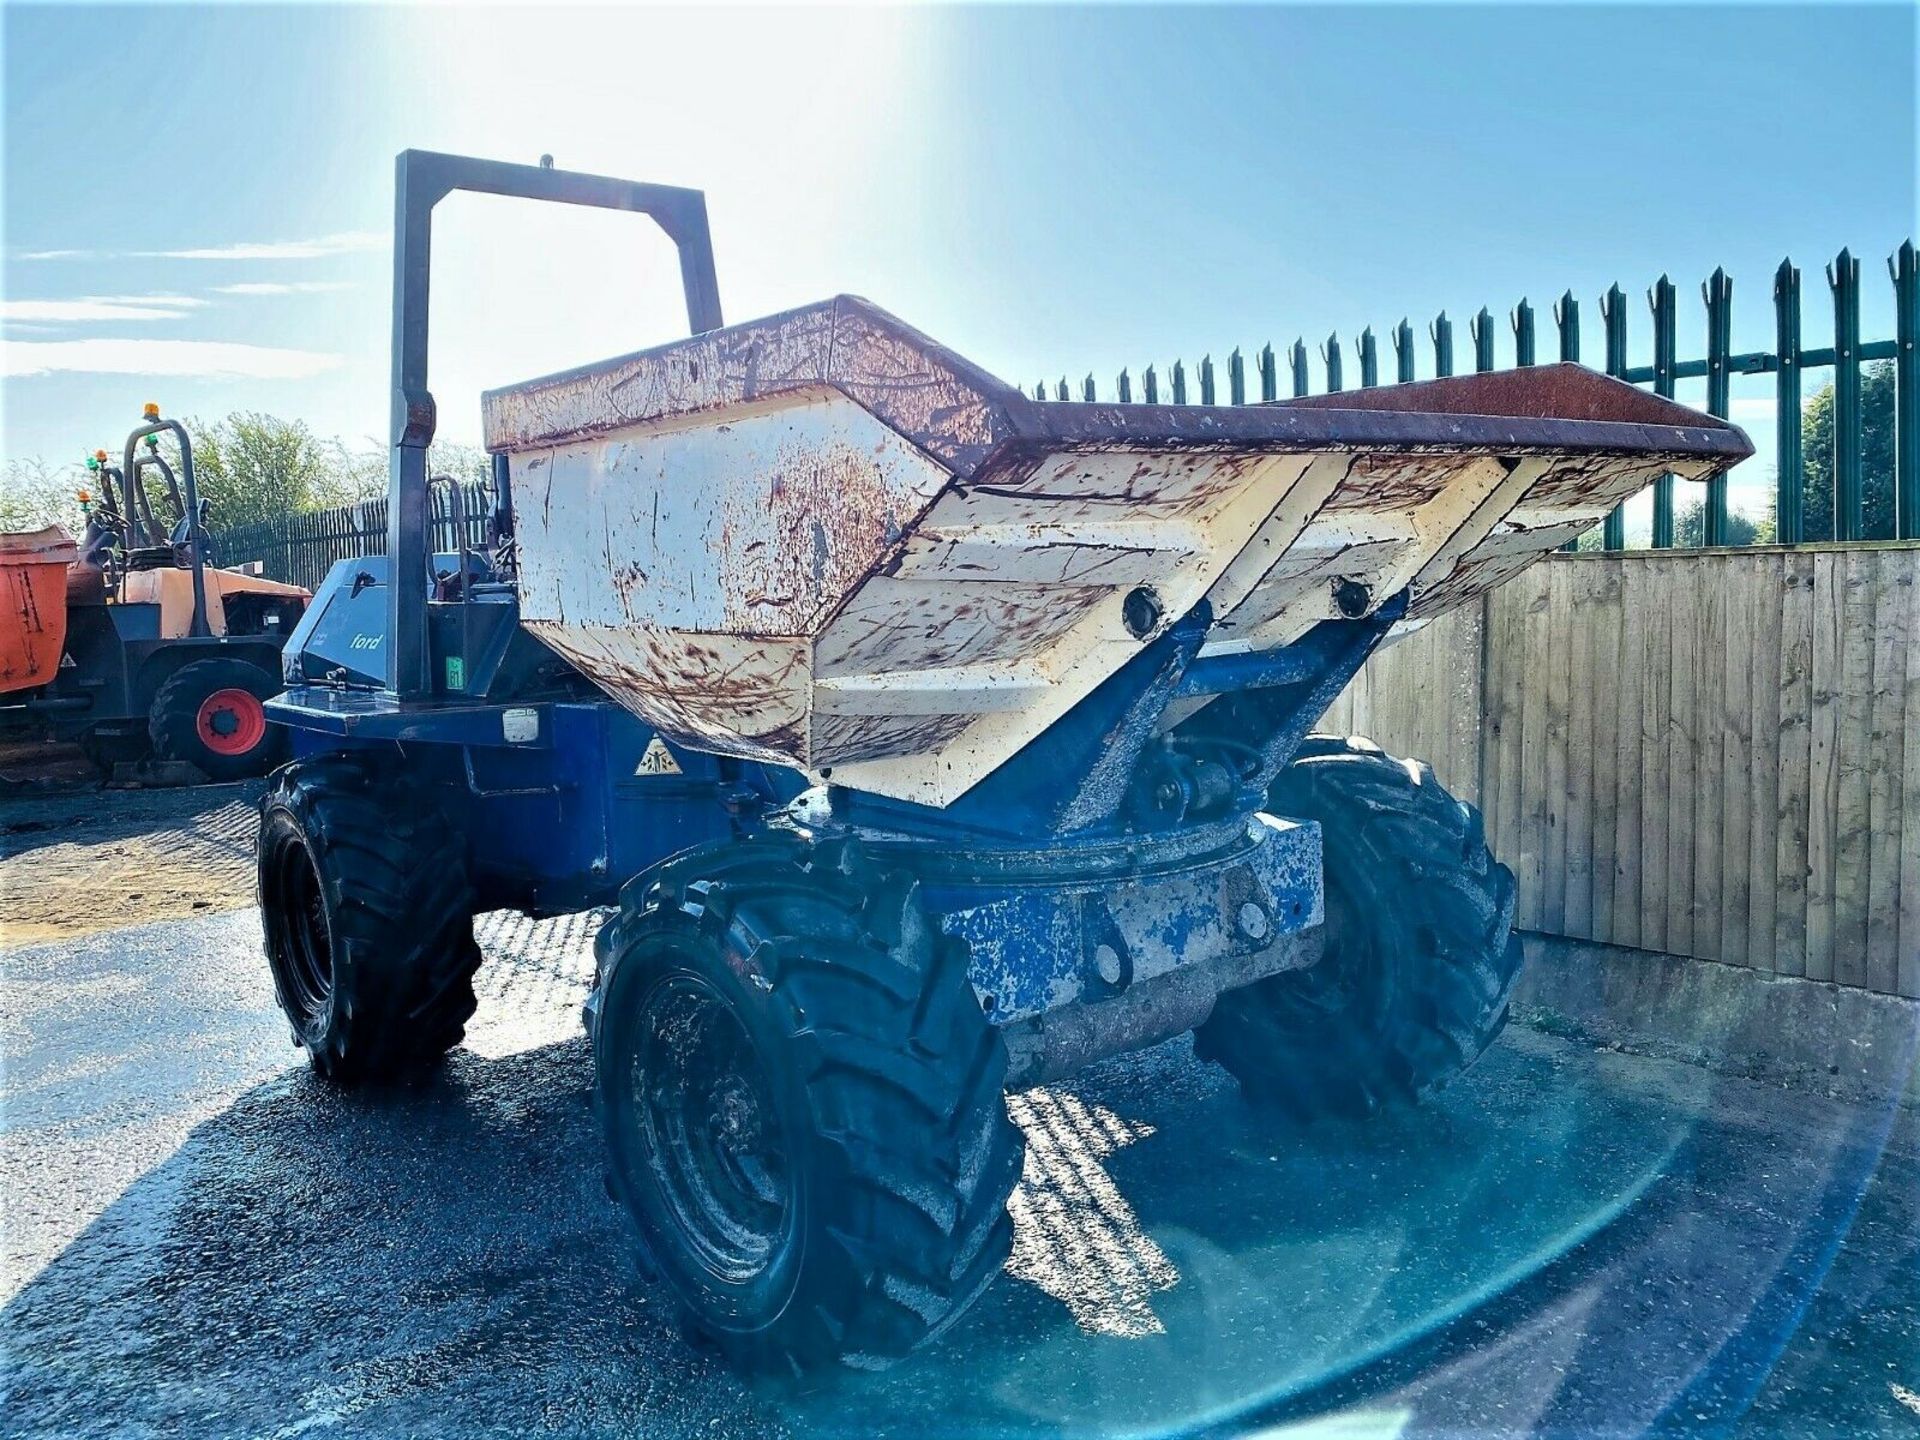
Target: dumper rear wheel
1420, 954
368, 917
803, 1106
210, 714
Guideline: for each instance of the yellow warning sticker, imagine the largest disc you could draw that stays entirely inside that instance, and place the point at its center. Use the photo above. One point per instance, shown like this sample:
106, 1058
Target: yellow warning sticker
657, 760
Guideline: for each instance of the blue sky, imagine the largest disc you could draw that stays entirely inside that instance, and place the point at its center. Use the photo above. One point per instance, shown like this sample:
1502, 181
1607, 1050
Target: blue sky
1045, 190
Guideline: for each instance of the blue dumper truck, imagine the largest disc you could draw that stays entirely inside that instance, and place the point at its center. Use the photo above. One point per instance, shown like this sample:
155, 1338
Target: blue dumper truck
932, 742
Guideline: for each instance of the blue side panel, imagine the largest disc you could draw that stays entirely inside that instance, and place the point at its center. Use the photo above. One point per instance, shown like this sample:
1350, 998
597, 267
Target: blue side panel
569, 822
1035, 947
560, 803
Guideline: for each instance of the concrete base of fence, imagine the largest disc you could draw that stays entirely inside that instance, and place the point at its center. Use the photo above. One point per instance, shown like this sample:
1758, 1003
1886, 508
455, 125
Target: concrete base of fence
1831, 1038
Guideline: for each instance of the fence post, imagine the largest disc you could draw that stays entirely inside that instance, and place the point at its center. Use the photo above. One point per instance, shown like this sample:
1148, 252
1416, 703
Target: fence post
1663, 299
1566, 316
1061, 392
1613, 314
1718, 294
1236, 377
1905, 268
1849, 517
1403, 352
1301, 383
1150, 383
1087, 392
1523, 355
1123, 386
1179, 383
1522, 319
1481, 328
1369, 359
1789, 481
1206, 379
1330, 357
1442, 332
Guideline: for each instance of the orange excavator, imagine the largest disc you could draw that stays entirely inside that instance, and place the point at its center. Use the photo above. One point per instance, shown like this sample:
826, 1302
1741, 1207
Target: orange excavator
131, 640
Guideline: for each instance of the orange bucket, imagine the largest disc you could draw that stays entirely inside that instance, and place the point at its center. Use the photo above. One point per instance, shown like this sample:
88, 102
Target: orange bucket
33, 605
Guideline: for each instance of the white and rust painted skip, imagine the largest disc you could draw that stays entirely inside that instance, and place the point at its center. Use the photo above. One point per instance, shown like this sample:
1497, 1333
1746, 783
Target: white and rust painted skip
822, 540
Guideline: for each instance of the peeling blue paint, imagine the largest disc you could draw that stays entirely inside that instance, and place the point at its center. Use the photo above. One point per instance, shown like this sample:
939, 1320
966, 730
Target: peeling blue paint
1034, 943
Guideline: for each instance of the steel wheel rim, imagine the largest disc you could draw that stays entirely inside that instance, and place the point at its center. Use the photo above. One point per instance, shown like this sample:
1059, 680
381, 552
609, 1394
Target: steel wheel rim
303, 931
712, 1143
231, 721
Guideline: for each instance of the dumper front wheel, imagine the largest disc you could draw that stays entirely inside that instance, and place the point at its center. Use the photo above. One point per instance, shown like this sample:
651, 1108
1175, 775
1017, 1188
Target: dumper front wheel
802, 1102
1419, 952
368, 917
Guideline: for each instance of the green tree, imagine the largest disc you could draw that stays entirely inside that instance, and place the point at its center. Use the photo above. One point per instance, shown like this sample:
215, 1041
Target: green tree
252, 467
1690, 527
463, 462
1876, 455
35, 494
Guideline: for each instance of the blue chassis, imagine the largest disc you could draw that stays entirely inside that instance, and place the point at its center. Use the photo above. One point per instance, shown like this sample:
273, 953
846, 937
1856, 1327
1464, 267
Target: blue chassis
1041, 868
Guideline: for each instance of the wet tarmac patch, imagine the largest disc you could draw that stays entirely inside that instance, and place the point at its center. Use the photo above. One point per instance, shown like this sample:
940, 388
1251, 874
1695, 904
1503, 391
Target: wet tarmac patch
208, 1242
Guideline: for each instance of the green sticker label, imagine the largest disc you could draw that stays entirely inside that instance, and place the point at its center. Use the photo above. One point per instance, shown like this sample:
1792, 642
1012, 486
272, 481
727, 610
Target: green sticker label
456, 672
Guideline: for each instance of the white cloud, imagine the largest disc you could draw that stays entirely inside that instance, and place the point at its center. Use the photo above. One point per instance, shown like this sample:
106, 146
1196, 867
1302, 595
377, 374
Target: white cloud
98, 307
283, 287
347, 242
202, 359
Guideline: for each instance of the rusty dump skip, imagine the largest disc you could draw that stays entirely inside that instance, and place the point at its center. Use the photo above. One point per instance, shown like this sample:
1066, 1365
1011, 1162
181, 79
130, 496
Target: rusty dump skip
823, 540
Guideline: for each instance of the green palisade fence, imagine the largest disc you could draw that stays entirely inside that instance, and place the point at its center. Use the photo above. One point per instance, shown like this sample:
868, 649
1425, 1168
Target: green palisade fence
1788, 362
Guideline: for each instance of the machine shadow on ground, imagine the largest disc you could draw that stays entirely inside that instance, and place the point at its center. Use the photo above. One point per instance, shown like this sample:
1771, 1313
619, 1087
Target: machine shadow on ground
444, 1260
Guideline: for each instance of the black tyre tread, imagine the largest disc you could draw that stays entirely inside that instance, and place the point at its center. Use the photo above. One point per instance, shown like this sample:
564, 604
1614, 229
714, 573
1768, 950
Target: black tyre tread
1417, 854
402, 908
172, 718
905, 1084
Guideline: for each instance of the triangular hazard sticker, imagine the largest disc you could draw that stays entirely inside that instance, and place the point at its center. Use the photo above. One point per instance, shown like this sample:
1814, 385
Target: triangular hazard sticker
657, 760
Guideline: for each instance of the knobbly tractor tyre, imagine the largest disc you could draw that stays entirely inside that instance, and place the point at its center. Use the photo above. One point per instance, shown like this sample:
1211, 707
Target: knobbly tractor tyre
212, 714
367, 915
802, 1105
1419, 953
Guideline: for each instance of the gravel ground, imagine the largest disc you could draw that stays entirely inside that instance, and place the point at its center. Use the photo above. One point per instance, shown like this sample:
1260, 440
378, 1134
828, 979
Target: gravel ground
80, 859
201, 1240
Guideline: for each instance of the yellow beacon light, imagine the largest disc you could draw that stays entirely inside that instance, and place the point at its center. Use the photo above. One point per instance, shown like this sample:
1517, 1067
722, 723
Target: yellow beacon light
151, 410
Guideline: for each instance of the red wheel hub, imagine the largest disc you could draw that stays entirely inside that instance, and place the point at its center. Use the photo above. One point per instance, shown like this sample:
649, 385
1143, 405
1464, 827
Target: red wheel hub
231, 721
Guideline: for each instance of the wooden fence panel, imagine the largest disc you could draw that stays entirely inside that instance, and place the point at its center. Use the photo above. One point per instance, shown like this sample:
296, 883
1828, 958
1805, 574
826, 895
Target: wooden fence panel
1441, 662
1888, 739
1597, 679
1793, 864
1907, 967
1715, 754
